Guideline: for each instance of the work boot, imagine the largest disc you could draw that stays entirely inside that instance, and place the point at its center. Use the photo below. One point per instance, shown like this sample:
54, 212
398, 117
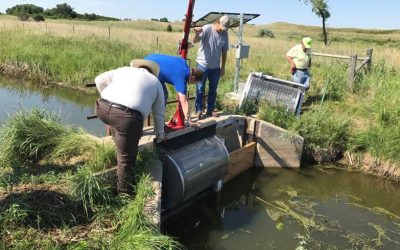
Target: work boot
199, 115
213, 113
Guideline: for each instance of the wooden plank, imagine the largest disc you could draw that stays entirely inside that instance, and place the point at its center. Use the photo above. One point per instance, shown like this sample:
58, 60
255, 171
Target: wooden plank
240, 160
335, 56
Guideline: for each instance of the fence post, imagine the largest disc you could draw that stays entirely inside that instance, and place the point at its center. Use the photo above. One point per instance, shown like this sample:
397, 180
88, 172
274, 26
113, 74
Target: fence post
157, 43
352, 71
109, 32
369, 55
73, 28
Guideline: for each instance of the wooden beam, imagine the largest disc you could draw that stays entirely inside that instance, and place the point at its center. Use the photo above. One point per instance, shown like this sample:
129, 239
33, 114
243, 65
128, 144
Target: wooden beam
240, 160
335, 56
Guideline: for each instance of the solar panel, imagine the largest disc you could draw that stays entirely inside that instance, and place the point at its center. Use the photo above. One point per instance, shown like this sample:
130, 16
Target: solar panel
234, 18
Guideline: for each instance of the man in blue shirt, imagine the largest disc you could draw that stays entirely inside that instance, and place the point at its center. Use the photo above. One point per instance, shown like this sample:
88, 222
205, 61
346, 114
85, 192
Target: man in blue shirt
175, 71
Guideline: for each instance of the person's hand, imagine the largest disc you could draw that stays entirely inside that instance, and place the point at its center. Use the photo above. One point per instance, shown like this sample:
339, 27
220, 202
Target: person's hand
198, 30
293, 70
222, 73
194, 125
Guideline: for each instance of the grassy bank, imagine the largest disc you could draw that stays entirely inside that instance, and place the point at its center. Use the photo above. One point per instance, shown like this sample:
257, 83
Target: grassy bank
364, 121
50, 199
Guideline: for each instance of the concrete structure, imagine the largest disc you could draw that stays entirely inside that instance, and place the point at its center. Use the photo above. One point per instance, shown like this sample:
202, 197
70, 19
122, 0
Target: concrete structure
250, 143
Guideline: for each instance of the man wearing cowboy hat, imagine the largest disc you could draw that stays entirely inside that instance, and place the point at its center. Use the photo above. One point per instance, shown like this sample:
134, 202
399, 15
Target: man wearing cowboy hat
128, 94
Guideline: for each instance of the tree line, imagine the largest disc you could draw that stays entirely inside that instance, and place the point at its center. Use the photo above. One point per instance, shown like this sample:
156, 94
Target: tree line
60, 11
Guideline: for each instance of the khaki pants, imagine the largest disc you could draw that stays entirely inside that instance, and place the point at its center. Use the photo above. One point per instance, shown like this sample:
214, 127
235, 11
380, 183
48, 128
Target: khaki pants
128, 129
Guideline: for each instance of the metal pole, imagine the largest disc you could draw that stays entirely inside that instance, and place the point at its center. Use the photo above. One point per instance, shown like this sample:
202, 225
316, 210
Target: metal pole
240, 39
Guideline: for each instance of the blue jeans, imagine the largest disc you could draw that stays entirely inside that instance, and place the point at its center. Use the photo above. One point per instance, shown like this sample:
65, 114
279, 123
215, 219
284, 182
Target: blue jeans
213, 77
303, 77
165, 93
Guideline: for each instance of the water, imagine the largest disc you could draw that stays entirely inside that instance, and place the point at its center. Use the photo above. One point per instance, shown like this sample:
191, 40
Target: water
288, 209
263, 209
73, 106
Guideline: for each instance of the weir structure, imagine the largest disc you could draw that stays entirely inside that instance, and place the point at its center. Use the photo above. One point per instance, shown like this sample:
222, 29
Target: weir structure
197, 161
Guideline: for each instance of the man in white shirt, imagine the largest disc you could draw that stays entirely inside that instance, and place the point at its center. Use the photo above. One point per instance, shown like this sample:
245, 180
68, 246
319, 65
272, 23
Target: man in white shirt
128, 94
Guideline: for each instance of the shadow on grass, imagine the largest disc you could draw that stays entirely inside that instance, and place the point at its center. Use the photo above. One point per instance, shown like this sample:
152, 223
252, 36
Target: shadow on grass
43, 209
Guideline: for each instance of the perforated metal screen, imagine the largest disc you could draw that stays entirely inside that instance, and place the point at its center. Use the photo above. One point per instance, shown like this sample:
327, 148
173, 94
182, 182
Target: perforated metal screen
272, 90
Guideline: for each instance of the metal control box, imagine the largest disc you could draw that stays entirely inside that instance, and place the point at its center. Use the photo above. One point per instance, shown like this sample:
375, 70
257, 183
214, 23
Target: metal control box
242, 51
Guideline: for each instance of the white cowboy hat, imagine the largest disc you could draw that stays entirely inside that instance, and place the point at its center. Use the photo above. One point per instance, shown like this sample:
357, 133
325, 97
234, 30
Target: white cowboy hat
155, 69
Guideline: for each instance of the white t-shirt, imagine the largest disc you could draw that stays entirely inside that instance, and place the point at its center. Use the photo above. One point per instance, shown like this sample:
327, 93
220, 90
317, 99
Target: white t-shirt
137, 89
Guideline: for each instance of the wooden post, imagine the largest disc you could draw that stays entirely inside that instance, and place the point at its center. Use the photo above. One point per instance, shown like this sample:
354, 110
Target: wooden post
157, 43
73, 28
369, 55
352, 71
109, 32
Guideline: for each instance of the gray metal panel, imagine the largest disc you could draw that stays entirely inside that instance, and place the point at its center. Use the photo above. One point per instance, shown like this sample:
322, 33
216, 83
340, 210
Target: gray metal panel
192, 169
274, 91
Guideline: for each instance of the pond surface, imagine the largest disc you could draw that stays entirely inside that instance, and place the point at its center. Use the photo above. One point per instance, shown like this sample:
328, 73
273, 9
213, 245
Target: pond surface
73, 106
290, 209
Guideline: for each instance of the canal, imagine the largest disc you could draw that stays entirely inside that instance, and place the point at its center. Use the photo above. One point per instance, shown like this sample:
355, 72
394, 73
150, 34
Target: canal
308, 208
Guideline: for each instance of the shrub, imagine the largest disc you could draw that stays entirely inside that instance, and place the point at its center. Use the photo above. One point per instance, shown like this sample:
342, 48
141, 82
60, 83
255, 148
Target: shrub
169, 28
38, 18
265, 33
325, 135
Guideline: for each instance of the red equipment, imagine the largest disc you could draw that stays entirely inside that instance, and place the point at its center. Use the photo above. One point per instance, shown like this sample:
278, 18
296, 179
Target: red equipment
178, 120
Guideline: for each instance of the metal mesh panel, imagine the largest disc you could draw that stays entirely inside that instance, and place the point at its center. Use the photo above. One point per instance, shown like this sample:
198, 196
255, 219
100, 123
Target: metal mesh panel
273, 91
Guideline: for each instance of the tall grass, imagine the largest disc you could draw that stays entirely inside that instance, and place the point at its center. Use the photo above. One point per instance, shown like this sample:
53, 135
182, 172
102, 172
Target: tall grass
136, 232
325, 135
31, 136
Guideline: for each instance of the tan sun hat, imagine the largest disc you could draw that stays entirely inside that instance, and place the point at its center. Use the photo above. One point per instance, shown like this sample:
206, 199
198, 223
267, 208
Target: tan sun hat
224, 22
155, 69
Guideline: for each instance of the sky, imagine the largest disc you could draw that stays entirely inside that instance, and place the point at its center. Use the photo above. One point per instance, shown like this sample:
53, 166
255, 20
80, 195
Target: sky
367, 14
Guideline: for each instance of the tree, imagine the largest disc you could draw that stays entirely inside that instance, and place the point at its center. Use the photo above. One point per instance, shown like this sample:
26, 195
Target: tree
320, 8
169, 28
164, 20
62, 11
24, 11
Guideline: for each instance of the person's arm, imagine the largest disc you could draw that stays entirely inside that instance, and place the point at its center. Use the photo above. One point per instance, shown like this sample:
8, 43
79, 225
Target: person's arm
158, 110
292, 65
103, 80
185, 105
223, 61
197, 32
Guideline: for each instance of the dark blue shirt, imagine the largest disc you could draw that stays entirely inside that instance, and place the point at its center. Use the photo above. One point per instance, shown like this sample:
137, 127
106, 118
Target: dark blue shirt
173, 70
